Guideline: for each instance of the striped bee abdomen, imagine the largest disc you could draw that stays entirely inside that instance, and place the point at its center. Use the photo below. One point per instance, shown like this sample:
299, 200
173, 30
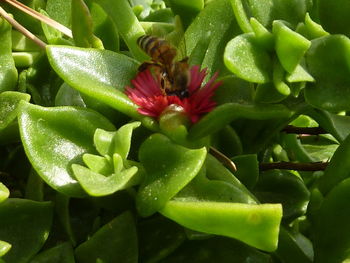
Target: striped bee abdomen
158, 49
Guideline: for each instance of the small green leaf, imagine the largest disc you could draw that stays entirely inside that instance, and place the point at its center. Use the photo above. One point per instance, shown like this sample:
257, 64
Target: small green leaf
8, 71
263, 37
247, 60
108, 143
98, 164
82, 26
290, 46
175, 166
310, 29
114, 242
96, 184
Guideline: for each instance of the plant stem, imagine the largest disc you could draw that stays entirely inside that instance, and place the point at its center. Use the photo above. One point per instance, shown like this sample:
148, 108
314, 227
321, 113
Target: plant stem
223, 159
304, 130
316, 166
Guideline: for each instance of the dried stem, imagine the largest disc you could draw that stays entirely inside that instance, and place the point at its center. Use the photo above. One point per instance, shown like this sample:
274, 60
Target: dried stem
223, 159
21, 29
40, 17
304, 130
317, 166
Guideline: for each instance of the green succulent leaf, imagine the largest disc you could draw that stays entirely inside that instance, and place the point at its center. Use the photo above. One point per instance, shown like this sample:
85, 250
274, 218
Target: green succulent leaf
27, 227
290, 46
247, 60
327, 61
226, 113
100, 74
256, 225
175, 166
286, 188
96, 184
114, 242
9, 101
60, 253
108, 143
333, 214
53, 137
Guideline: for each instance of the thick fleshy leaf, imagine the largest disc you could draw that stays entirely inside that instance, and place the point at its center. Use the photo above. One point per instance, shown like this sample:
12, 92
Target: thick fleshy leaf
169, 168
283, 187
53, 138
82, 26
256, 225
247, 169
9, 101
59, 10
294, 247
26, 225
209, 44
158, 237
226, 113
217, 249
327, 61
338, 168
310, 29
60, 253
202, 189
266, 12
8, 71
100, 74
109, 143
337, 125
127, 24
187, 10
4, 192
334, 16
290, 46
247, 60
96, 184
114, 242
332, 230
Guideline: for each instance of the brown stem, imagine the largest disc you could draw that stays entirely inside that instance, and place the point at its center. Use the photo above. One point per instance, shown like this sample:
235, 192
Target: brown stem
223, 159
40, 17
317, 166
21, 29
304, 130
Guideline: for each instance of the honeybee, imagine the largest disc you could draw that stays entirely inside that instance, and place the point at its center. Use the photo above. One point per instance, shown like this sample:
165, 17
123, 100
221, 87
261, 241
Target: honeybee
174, 75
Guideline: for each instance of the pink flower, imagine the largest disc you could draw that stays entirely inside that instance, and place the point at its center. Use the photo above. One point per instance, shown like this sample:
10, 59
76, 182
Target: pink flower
152, 101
